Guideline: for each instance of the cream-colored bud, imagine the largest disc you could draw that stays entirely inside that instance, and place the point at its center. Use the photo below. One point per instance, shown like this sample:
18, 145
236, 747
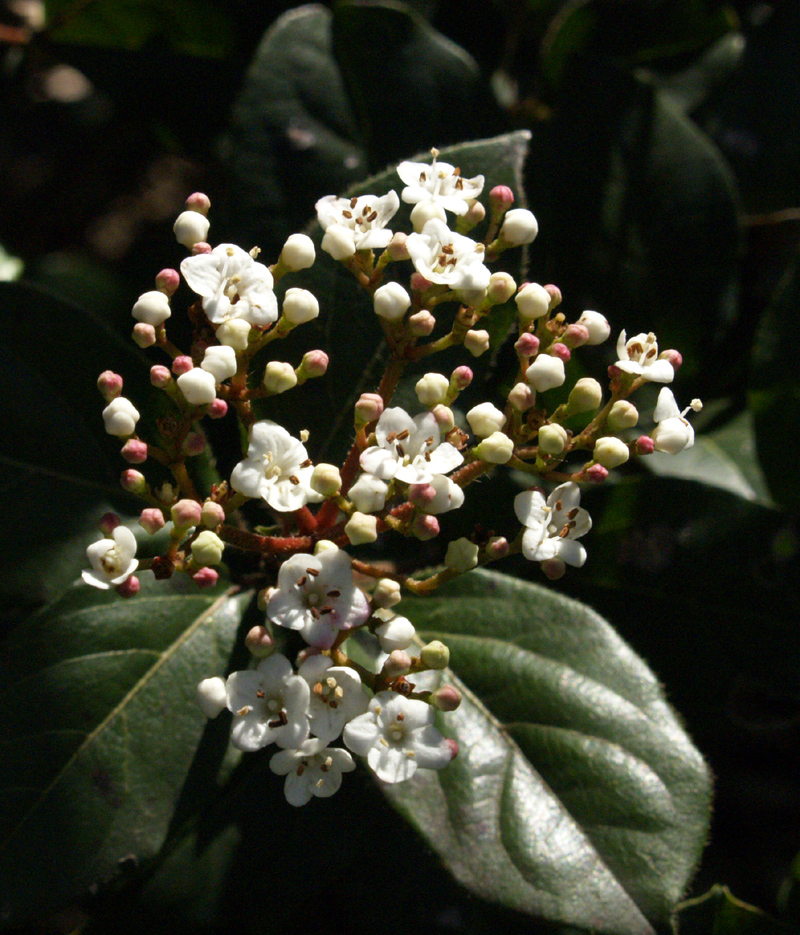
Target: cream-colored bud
300, 306
426, 211
435, 655
586, 395
279, 377
190, 228
461, 556
597, 325
498, 448
533, 301
207, 548
476, 342
553, 439
501, 288
361, 528
387, 593
391, 301
546, 372
432, 389
521, 397
234, 333
484, 419
326, 480
610, 452
298, 252
623, 415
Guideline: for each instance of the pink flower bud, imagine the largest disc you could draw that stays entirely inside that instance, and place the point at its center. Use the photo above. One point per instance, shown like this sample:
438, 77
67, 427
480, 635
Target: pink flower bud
151, 520
596, 474
199, 202
398, 663
421, 323
561, 351
644, 445
497, 547
446, 698
500, 199
129, 587
575, 335
217, 409
109, 384
425, 527
553, 568
475, 214
186, 513
194, 444
674, 357
314, 364
160, 376
419, 283
133, 482
259, 641
144, 335
527, 345
182, 364
444, 418
421, 494
461, 378
134, 452
453, 744
201, 247
369, 407
397, 247
167, 281
555, 295
206, 577
108, 523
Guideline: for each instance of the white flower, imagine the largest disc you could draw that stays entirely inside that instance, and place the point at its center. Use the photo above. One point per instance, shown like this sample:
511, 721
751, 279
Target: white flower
673, 433
337, 696
439, 183
198, 386
639, 356
219, 361
120, 417
545, 373
447, 258
316, 596
112, 559
409, 450
269, 705
232, 285
311, 770
277, 469
397, 737
553, 525
352, 224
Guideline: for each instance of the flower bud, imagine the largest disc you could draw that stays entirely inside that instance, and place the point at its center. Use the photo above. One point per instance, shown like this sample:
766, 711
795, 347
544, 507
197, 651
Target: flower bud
217, 409
425, 211
279, 377
212, 514
597, 326
143, 335
300, 306
133, 482
397, 633
298, 253
519, 227
553, 439
391, 301
475, 214
109, 384
527, 345
533, 301
198, 387
186, 513
623, 415
108, 523
338, 242
207, 548
314, 364
368, 408
234, 333
419, 283
198, 202
120, 417
206, 577
462, 555
425, 527
611, 452
521, 397
167, 281
498, 448
220, 362
435, 655
397, 249
553, 568
497, 547
194, 444
325, 545
369, 493
444, 418
190, 228
421, 323
398, 663
432, 389
476, 342
182, 364
151, 520
595, 473
200, 248
484, 419
326, 480
129, 587
645, 445
545, 373
160, 377
561, 351
575, 336
361, 528
501, 288
421, 494
152, 308
501, 198
586, 395
446, 698
386, 593
259, 641
673, 356
134, 451
212, 696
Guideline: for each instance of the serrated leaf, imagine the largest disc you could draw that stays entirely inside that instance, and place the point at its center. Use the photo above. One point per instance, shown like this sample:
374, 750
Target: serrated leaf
576, 796
99, 728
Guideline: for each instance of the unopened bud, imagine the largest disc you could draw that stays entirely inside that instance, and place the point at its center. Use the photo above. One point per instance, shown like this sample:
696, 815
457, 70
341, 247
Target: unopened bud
143, 335
432, 389
462, 555
182, 364
501, 288
435, 655
497, 547
673, 356
217, 409
129, 587
200, 248
133, 482
108, 523
206, 577
553, 439
545, 373
595, 473
461, 378
398, 663
586, 395
644, 445
445, 418
109, 384
387, 593
425, 527
300, 306
533, 301
120, 417
555, 295
446, 698
234, 333
521, 397
611, 452
194, 444
575, 336
220, 362
553, 568
160, 376
597, 326
396, 633
186, 513
391, 301
368, 408
498, 448
623, 415
279, 377
519, 227
326, 480
361, 528
298, 253
425, 211
527, 345
259, 641
419, 283
476, 342
212, 514
475, 214
397, 249
198, 386
152, 308
561, 351
151, 520
313, 365
484, 419
207, 548
212, 696
134, 451
500, 199
191, 228
198, 202
421, 323
421, 494
167, 281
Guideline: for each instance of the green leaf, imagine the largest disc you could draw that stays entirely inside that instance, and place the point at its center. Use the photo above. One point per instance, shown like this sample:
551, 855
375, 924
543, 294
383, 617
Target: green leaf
718, 912
100, 728
576, 796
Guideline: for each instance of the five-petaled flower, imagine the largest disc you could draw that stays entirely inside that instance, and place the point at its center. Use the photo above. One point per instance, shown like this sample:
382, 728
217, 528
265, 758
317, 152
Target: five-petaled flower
337, 696
233, 285
639, 357
352, 224
439, 183
112, 559
441, 256
312, 769
553, 525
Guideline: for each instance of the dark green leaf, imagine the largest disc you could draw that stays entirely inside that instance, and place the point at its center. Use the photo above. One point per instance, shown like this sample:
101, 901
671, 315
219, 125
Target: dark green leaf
99, 731
718, 912
577, 796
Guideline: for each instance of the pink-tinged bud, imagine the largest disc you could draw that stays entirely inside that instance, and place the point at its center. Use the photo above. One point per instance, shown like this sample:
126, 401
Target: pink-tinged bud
314, 364
369, 407
644, 445
109, 384
500, 200
421, 494
259, 641
475, 214
144, 335
596, 474
425, 527
575, 335
497, 547
561, 351
206, 577
398, 663
461, 378
186, 513
151, 520
397, 247
674, 357
200, 248
453, 747
129, 587
521, 397
447, 698
133, 482
134, 452
182, 364
553, 568
419, 283
421, 323
614, 372
217, 409
108, 523
527, 345
194, 444
444, 418
212, 514
555, 295
168, 281
160, 376
199, 202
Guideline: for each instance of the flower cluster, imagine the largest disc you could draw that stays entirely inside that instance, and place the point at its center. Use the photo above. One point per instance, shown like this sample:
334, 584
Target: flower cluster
362, 676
